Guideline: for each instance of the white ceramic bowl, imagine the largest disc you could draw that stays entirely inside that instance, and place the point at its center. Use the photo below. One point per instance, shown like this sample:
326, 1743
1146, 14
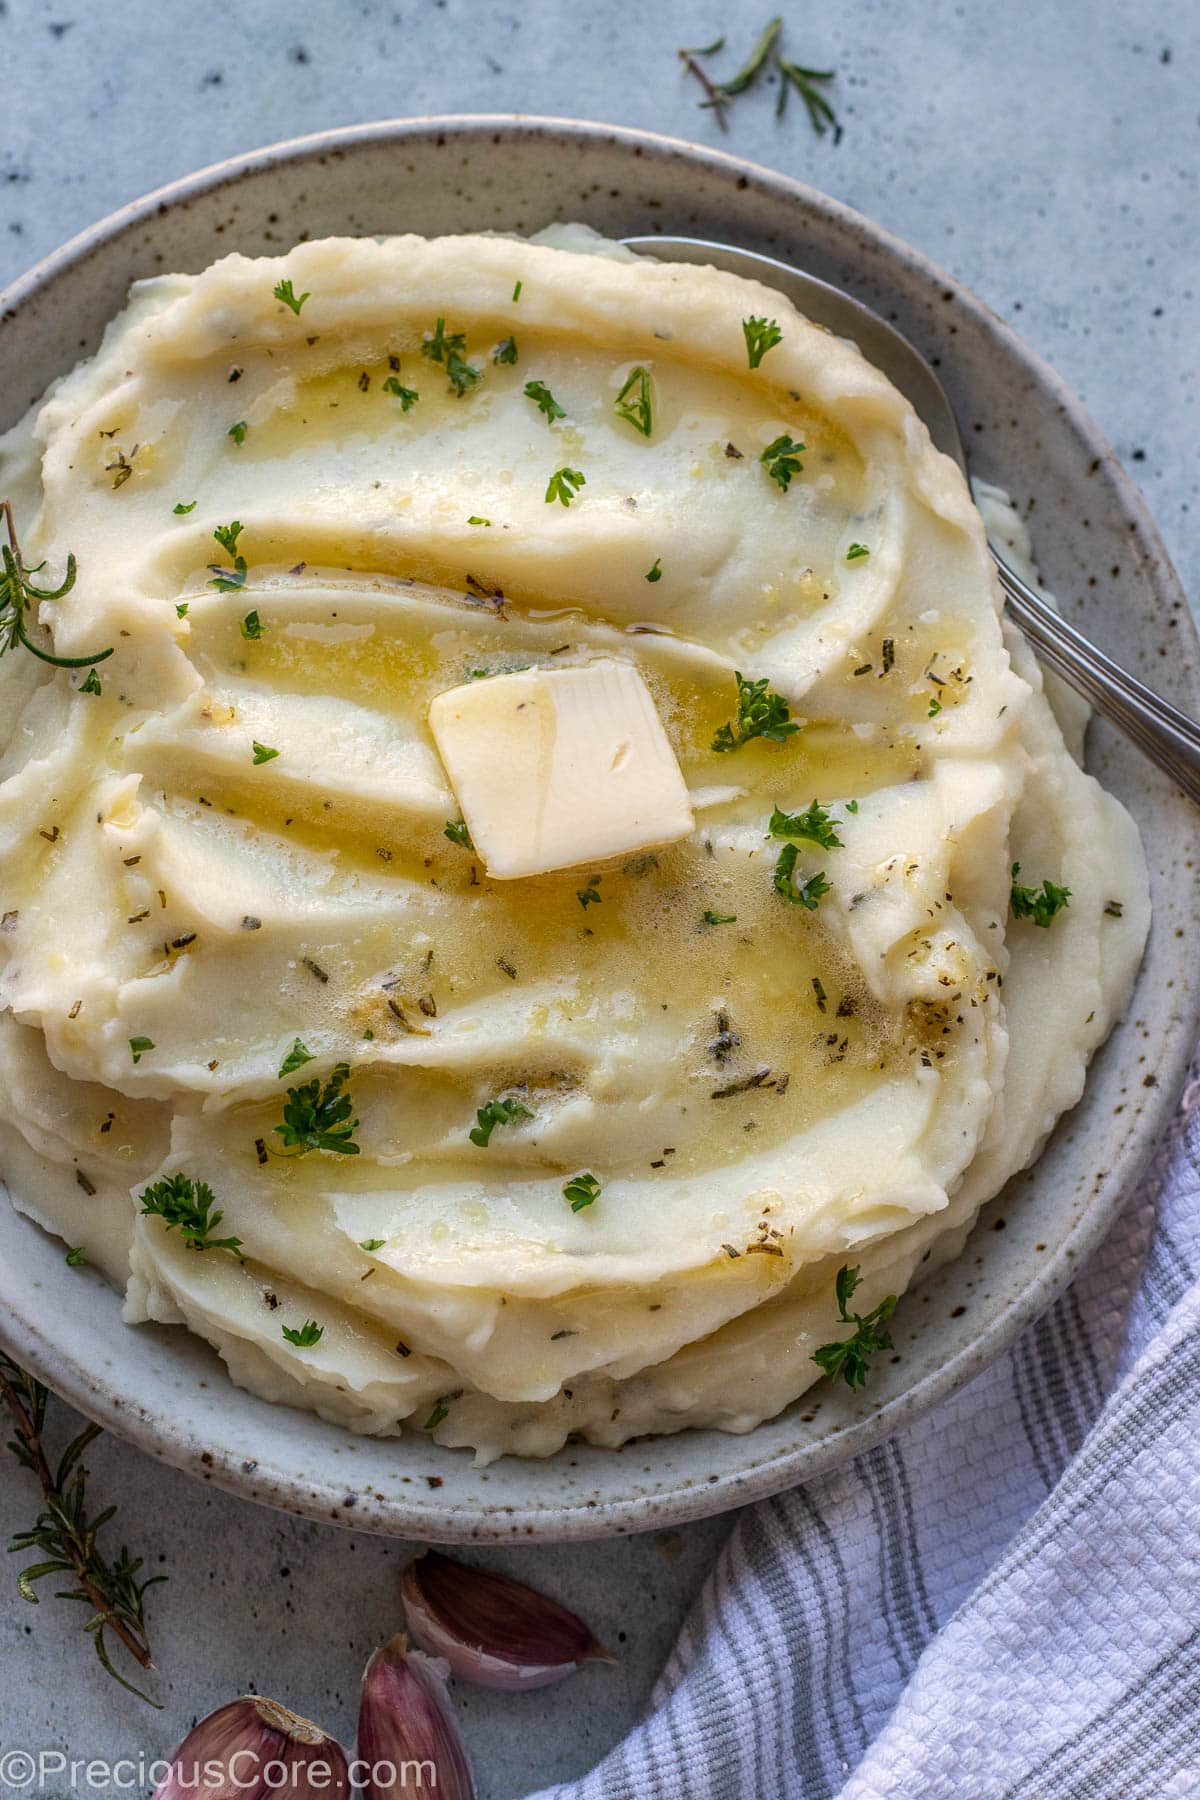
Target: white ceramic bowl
167, 1392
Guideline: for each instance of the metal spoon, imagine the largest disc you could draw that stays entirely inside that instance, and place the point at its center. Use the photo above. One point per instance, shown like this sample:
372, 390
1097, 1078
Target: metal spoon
1166, 735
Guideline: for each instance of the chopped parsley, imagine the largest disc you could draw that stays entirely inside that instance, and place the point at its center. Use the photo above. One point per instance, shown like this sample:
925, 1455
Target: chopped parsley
517, 292
761, 335
181, 609
76, 1258
712, 918
405, 395
852, 806
544, 400
283, 290
251, 626
448, 349
655, 573
263, 753
476, 519
229, 581
849, 1357
441, 1410
496, 1112
92, 684
369, 1244
935, 707
295, 1059
309, 1333
582, 1190
456, 829
781, 460
802, 893
564, 485
238, 432
505, 351
634, 404
1039, 904
316, 1116
180, 508
138, 1047
761, 714
228, 535
186, 1205
856, 551
589, 895
814, 823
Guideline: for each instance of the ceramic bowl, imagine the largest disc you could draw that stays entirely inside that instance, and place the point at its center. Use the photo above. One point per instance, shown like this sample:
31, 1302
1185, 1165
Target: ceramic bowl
166, 1391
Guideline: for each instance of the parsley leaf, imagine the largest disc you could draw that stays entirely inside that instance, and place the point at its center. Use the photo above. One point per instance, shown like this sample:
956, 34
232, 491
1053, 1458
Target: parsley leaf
589, 895
803, 893
251, 626
179, 507
284, 291
582, 1190
517, 291
712, 918
229, 581
505, 351
935, 707
138, 1046
92, 684
76, 1258
540, 394
564, 484
317, 1117
638, 411
655, 574
456, 831
263, 753
238, 432
448, 349
306, 1336
781, 460
814, 823
855, 551
440, 1411
369, 1244
848, 1357
228, 535
760, 714
496, 1112
295, 1059
761, 335
406, 396
476, 519
187, 1205
1040, 905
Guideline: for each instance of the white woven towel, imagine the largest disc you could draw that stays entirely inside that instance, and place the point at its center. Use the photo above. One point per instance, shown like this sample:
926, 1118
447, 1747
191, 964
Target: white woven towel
1001, 1603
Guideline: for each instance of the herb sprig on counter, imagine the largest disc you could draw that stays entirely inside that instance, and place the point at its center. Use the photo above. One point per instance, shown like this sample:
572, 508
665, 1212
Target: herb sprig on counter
761, 714
63, 1536
19, 598
187, 1206
1039, 904
849, 1357
764, 54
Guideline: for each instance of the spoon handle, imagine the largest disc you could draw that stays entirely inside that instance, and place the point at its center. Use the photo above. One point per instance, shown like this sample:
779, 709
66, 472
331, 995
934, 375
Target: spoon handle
1166, 735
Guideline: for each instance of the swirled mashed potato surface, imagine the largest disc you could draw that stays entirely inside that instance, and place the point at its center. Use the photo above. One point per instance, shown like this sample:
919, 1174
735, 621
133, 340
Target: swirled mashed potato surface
761, 1100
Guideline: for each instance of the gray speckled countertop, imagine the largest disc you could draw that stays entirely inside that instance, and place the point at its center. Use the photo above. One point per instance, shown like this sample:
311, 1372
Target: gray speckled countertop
1049, 155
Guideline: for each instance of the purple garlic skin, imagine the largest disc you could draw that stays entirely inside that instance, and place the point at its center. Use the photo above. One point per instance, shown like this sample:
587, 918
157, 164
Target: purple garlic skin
493, 1631
409, 1746
252, 1748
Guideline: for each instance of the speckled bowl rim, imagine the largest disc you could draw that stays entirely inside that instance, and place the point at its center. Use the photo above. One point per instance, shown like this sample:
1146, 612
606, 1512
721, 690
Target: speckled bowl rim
168, 1438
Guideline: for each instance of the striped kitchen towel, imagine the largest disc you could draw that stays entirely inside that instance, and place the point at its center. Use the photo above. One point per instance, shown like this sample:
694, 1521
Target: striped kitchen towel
1002, 1602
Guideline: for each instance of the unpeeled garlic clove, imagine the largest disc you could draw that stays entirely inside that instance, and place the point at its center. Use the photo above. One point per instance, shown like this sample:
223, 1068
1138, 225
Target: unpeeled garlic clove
493, 1631
254, 1747
408, 1743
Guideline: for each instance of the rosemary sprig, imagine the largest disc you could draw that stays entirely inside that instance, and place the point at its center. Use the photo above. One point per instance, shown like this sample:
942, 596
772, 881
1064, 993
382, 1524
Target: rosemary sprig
765, 53
18, 596
66, 1536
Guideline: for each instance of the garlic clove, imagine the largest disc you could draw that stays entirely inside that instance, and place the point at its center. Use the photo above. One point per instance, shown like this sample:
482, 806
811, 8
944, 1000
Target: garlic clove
493, 1631
254, 1747
409, 1745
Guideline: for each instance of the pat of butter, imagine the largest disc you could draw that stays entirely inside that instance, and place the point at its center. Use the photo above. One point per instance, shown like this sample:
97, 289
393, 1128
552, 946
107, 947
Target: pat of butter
558, 767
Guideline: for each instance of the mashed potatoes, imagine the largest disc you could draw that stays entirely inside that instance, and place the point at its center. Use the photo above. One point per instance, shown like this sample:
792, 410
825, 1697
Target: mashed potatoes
578, 1152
